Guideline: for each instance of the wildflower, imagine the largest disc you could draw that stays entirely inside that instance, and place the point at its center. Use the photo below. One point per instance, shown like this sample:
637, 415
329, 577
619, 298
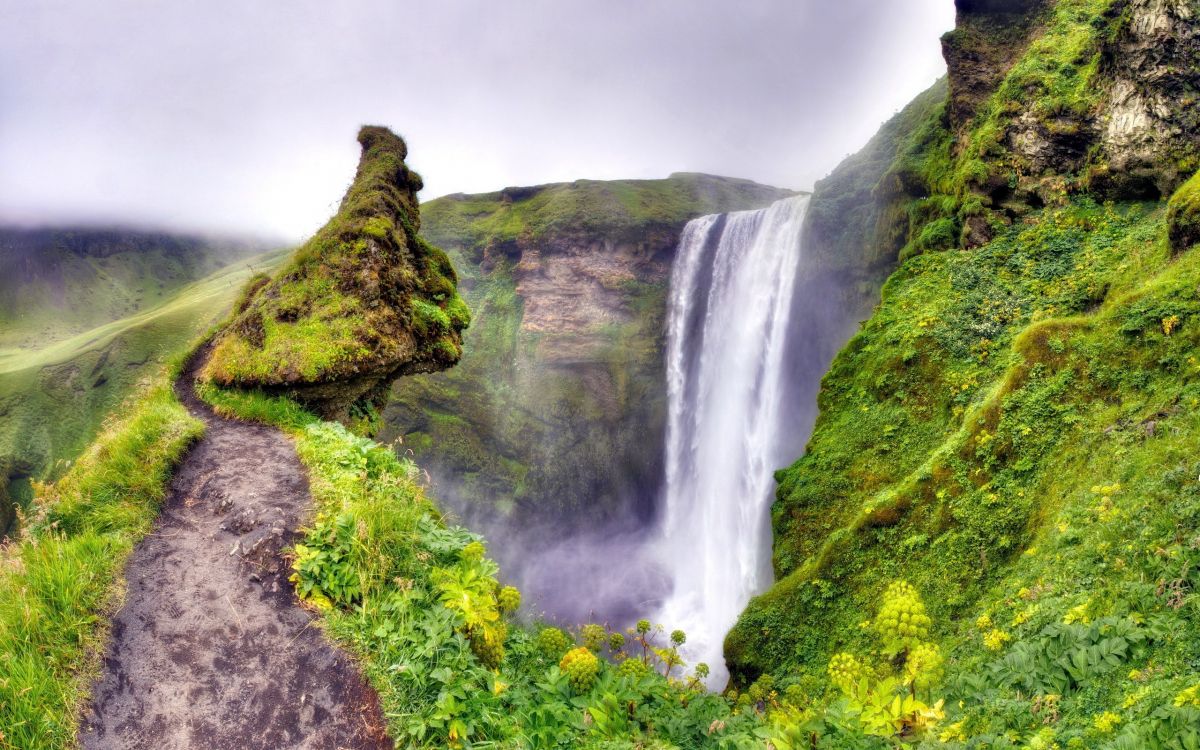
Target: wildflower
1106, 722
996, 640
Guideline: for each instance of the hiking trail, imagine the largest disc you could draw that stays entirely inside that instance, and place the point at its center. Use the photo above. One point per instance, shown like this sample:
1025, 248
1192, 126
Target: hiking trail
210, 648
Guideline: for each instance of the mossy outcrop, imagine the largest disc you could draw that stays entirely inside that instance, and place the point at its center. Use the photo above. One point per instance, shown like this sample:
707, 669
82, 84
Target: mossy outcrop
363, 302
1055, 98
1183, 215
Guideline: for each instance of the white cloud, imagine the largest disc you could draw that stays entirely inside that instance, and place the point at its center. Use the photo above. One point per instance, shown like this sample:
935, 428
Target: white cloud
240, 115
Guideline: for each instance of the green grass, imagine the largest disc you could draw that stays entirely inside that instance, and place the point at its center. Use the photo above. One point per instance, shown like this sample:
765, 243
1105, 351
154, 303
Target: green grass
54, 397
60, 580
966, 439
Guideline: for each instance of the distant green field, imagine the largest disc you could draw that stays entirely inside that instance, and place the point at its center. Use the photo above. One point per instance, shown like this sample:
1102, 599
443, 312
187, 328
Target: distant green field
54, 397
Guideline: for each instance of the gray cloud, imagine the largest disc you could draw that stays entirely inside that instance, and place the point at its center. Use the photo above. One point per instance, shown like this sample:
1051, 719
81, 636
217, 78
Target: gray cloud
228, 114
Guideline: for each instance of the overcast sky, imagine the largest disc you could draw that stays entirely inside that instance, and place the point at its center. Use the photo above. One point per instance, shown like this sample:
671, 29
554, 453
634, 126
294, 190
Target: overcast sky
241, 114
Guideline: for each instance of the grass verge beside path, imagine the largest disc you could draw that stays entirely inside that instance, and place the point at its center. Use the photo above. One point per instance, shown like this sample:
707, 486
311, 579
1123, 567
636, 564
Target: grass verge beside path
61, 578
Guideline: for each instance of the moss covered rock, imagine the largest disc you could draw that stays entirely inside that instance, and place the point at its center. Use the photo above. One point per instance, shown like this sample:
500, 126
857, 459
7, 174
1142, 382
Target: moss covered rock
1183, 215
363, 302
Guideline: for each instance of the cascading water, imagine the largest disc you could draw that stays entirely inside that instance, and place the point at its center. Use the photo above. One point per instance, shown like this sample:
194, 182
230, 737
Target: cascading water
732, 288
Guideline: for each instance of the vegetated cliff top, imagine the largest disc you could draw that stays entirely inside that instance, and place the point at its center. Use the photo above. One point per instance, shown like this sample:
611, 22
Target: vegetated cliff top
621, 210
365, 301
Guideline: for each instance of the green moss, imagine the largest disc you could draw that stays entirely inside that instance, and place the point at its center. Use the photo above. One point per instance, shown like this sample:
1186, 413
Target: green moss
1183, 215
341, 309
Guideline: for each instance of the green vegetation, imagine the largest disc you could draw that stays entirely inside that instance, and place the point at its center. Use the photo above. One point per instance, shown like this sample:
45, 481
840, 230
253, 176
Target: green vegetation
55, 393
1010, 433
419, 604
364, 300
1183, 215
61, 577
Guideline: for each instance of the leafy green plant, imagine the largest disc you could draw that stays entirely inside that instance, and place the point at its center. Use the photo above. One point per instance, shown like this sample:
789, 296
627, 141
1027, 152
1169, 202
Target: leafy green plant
325, 571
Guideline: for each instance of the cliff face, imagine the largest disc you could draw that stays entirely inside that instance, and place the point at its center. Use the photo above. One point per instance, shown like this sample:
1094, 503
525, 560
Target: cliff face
557, 409
1051, 99
988, 35
1008, 431
363, 302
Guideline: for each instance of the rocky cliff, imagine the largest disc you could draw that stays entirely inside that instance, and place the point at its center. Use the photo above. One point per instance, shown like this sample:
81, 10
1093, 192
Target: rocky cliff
1051, 99
363, 302
558, 406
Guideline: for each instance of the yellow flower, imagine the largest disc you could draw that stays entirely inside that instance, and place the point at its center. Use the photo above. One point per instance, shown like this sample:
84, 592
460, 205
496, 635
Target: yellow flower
1189, 697
996, 640
1078, 614
1106, 722
955, 732
984, 622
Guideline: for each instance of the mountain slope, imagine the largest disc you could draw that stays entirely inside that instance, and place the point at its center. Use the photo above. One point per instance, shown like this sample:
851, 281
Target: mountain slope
1008, 432
64, 364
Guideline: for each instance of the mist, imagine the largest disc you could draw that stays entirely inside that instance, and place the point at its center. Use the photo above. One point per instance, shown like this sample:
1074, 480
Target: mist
227, 116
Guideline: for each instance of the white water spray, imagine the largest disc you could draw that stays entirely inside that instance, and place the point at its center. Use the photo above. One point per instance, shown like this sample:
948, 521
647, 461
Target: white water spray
727, 322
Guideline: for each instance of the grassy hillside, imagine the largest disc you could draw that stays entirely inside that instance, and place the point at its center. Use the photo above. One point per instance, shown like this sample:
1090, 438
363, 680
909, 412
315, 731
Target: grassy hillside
55, 394
57, 282
1010, 432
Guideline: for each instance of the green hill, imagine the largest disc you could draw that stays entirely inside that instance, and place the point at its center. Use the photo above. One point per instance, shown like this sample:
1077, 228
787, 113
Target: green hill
1012, 431
59, 379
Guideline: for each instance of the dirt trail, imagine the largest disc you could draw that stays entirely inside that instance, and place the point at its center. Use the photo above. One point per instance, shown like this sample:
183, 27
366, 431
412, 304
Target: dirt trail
210, 649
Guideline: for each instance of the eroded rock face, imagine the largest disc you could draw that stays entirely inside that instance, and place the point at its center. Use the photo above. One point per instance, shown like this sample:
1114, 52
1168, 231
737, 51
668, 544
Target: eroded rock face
362, 303
1150, 131
576, 286
988, 37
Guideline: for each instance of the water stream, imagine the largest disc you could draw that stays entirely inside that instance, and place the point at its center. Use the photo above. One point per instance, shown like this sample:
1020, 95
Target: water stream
728, 317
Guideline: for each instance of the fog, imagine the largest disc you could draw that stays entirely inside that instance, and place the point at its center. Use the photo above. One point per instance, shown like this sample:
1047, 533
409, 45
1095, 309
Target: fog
236, 116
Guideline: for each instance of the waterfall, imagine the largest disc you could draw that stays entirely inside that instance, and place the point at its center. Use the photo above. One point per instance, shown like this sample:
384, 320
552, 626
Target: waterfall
732, 288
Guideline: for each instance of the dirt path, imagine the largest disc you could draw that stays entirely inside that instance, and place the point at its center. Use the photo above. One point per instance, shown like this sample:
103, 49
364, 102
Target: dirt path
210, 649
